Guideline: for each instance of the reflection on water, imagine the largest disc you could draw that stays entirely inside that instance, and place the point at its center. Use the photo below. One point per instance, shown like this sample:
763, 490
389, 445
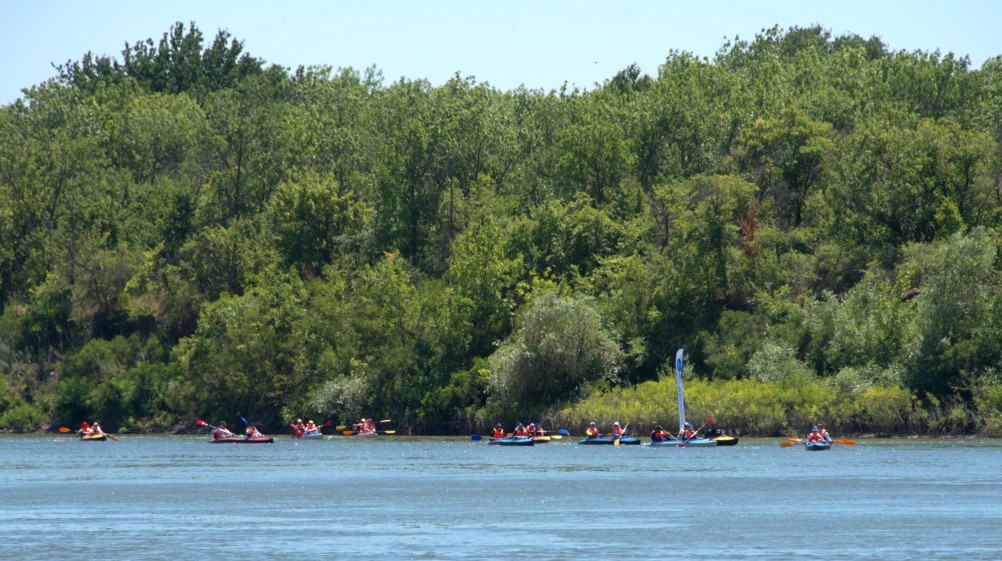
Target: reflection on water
443, 499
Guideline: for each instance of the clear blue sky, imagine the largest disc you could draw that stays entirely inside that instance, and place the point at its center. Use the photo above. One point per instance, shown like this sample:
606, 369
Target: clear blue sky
536, 43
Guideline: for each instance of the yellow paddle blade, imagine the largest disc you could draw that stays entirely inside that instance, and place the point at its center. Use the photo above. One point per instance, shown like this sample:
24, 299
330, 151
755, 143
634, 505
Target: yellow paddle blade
794, 439
615, 442
347, 432
847, 442
389, 432
386, 421
786, 444
64, 429
340, 427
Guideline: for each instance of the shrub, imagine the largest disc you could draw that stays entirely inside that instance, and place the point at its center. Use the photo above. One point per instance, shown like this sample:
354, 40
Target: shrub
22, 417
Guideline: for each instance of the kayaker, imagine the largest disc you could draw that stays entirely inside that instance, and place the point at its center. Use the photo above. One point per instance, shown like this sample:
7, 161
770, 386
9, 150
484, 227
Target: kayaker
815, 435
95, 429
252, 432
592, 431
370, 426
498, 432
824, 434
520, 431
536, 430
85, 430
659, 434
311, 426
617, 431
221, 432
688, 433
298, 426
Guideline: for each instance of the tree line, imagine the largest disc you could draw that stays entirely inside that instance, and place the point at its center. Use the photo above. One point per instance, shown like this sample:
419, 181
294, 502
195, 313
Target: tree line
189, 232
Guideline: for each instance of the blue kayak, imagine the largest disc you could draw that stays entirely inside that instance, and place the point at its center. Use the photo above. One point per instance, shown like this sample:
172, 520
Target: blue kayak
512, 441
692, 443
817, 446
608, 440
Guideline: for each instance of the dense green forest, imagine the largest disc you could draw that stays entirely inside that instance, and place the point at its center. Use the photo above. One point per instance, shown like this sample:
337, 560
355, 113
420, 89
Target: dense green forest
188, 232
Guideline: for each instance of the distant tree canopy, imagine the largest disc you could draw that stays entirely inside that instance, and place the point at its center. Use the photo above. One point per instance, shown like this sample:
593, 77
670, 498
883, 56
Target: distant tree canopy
179, 63
186, 232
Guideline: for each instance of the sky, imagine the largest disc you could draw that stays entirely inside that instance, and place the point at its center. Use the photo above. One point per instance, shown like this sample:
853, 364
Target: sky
537, 44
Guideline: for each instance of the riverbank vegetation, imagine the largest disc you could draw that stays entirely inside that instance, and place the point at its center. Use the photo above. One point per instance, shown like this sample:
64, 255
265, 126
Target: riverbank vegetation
187, 232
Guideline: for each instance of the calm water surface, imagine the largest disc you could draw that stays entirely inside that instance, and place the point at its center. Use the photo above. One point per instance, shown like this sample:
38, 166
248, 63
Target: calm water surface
181, 498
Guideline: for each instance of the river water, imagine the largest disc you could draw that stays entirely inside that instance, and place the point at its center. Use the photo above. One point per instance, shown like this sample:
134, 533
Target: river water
390, 498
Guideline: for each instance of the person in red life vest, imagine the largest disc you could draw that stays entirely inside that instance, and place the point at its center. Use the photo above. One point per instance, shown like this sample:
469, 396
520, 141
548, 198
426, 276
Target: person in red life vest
369, 427
688, 433
95, 429
520, 431
824, 434
659, 434
815, 435
221, 431
85, 430
498, 432
252, 432
617, 431
592, 431
298, 428
311, 426
536, 430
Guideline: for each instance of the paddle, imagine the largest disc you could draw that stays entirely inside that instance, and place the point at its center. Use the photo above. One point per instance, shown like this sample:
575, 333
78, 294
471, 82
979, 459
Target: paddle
846, 442
65, 430
708, 421
788, 443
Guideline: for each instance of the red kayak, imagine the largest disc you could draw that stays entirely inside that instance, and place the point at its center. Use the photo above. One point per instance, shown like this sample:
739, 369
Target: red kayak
242, 440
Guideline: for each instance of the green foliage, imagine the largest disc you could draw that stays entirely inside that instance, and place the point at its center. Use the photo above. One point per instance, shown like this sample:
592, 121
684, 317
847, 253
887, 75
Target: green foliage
815, 218
729, 348
745, 406
954, 326
22, 417
776, 363
558, 350
344, 398
886, 410
488, 283
315, 222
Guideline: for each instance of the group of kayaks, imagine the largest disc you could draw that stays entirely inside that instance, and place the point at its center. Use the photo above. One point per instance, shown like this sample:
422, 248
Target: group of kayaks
300, 430
697, 442
612, 441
